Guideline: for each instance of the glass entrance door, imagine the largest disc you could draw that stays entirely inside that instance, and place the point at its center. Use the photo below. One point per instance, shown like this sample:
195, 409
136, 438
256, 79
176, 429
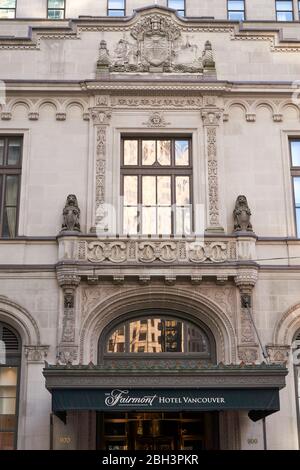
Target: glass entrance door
158, 431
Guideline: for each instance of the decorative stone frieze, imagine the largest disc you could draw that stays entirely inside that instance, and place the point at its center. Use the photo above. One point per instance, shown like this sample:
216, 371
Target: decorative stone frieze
36, 354
155, 102
247, 355
147, 252
278, 354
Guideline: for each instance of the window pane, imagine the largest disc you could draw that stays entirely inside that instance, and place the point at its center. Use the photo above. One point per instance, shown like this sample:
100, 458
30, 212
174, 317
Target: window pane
130, 220
183, 220
196, 340
164, 152
56, 3
284, 5
14, 152
181, 152
1, 151
182, 190
176, 4
236, 5
297, 189
116, 342
295, 150
56, 14
7, 3
172, 336
298, 222
116, 4
116, 13
164, 226
284, 16
130, 190
9, 222
11, 193
130, 152
149, 221
7, 14
7, 440
149, 190
164, 190
236, 15
148, 152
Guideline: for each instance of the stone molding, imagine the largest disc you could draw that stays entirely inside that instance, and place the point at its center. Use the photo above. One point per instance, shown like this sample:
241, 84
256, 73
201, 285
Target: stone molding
156, 120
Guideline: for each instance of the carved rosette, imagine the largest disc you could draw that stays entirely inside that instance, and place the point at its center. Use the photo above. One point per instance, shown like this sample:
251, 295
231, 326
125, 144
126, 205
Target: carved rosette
36, 354
247, 348
101, 120
211, 118
69, 283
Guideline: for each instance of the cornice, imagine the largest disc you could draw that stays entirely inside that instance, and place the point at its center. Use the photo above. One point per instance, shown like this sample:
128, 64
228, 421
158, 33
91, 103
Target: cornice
72, 29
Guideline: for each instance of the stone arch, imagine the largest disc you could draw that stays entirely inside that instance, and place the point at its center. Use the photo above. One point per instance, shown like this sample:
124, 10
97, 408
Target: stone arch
192, 306
21, 320
264, 104
287, 326
49, 101
241, 104
19, 101
289, 104
76, 102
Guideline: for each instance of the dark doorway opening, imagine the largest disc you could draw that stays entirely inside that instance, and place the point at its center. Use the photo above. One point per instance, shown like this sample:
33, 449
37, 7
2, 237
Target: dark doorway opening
158, 431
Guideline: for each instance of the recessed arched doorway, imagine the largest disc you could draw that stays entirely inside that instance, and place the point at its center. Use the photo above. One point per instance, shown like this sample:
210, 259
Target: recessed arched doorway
157, 339
10, 362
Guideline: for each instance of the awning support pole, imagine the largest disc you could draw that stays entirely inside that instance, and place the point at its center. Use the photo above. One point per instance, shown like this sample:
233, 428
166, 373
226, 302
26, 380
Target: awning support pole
265, 433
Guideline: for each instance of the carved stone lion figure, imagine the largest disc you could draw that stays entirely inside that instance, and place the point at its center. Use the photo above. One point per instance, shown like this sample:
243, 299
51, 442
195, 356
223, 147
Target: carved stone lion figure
242, 215
71, 214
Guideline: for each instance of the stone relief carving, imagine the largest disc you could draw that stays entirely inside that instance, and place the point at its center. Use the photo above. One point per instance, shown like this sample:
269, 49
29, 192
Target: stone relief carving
156, 102
156, 120
71, 215
278, 354
242, 215
67, 350
211, 119
247, 355
36, 353
165, 251
156, 45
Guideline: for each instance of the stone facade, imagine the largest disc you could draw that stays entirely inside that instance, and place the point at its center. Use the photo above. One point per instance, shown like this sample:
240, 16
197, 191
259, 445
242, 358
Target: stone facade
85, 83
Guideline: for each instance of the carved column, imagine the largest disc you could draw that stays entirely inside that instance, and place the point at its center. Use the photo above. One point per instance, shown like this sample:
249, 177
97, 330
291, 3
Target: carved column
68, 347
101, 116
248, 351
211, 116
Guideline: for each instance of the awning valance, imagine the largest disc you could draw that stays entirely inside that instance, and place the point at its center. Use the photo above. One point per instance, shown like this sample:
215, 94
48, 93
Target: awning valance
260, 402
254, 388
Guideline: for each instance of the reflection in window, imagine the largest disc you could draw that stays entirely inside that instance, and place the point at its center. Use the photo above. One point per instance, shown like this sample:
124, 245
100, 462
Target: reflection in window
284, 10
236, 10
178, 5
116, 7
295, 165
7, 8
10, 172
56, 9
9, 370
156, 182
159, 335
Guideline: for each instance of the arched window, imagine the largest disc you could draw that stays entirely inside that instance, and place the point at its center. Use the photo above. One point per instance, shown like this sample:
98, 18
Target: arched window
154, 333
10, 359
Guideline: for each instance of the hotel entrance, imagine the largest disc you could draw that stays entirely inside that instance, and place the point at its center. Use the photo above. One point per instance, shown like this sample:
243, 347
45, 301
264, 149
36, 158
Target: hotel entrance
158, 431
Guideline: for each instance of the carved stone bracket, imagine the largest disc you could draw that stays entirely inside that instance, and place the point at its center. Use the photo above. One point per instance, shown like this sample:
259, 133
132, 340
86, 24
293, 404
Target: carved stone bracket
247, 348
36, 354
211, 117
67, 348
101, 119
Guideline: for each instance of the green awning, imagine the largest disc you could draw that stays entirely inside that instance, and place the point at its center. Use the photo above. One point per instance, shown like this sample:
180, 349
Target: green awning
258, 402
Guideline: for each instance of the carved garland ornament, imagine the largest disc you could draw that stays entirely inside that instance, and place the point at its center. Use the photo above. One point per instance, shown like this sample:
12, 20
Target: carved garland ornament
150, 251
